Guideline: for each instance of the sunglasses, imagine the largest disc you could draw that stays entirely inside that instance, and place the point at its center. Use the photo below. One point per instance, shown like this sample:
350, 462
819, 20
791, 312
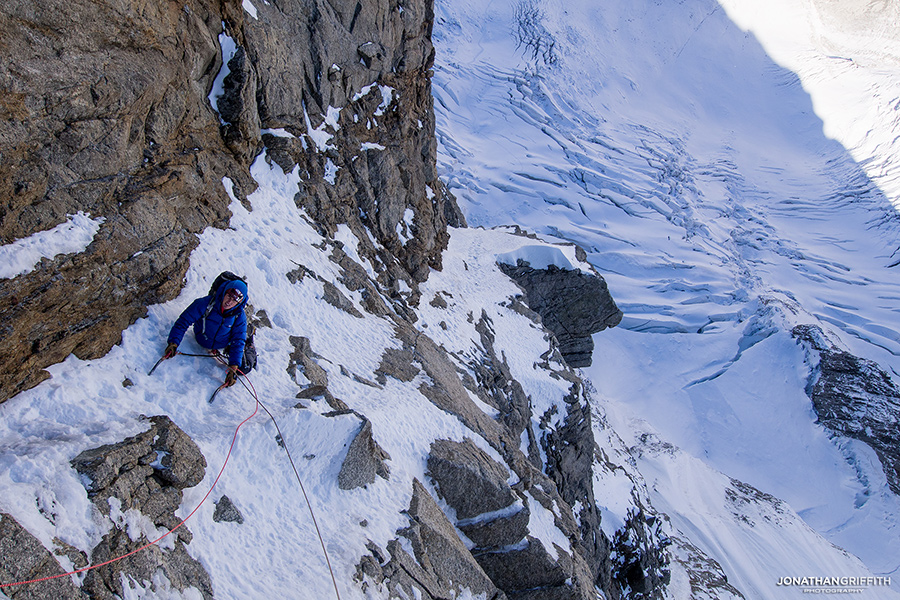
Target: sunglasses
234, 296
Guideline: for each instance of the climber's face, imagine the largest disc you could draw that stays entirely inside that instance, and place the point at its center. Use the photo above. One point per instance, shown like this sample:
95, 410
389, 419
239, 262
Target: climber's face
232, 299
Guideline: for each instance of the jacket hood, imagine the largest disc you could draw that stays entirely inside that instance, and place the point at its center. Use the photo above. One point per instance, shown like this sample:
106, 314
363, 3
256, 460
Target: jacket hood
232, 285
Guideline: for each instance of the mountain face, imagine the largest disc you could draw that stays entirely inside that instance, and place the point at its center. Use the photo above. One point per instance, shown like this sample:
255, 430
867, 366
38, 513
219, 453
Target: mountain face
108, 111
730, 168
311, 123
416, 426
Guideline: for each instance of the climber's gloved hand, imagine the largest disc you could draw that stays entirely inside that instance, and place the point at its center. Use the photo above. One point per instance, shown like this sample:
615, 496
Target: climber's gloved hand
231, 377
171, 351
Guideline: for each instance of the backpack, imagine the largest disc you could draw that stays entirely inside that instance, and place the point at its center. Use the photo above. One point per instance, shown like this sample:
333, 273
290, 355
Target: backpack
222, 278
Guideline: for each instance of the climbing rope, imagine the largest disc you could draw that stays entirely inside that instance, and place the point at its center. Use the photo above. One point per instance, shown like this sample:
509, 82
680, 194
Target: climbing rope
157, 540
252, 391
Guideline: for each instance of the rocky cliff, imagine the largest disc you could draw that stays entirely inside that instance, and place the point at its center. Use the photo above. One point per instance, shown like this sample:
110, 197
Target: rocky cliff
109, 109
147, 117
854, 398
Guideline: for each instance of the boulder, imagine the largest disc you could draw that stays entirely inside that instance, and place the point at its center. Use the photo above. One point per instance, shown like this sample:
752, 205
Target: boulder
227, 512
573, 304
470, 481
139, 469
364, 460
146, 473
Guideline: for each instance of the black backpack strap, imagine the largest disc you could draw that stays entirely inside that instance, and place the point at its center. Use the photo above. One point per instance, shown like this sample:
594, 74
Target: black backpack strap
209, 308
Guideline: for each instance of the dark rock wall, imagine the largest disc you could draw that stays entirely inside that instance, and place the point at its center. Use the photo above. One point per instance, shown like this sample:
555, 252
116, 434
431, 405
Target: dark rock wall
572, 304
104, 109
853, 397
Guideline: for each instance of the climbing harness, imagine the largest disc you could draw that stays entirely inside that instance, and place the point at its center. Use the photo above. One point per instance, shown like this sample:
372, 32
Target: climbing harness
252, 391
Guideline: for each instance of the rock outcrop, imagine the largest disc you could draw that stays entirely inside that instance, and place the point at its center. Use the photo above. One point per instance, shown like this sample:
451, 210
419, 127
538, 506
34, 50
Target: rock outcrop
853, 397
143, 476
104, 112
440, 565
364, 461
24, 558
573, 305
476, 487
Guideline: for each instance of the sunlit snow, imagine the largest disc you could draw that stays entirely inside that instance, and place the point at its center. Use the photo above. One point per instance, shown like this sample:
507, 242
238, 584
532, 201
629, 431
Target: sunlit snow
724, 204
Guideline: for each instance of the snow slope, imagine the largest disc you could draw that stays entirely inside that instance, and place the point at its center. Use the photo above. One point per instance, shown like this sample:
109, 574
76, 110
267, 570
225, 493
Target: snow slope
696, 173
731, 177
275, 552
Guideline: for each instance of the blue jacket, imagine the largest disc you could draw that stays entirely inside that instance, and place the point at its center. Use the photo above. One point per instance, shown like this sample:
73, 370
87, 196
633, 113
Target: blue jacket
212, 328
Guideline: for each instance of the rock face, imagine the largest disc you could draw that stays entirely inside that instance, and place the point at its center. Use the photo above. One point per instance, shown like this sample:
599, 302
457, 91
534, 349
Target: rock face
475, 486
106, 110
439, 567
146, 474
855, 398
24, 558
468, 479
572, 304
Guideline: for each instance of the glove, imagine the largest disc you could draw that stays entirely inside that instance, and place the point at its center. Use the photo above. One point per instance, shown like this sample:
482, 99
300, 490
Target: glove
231, 377
171, 351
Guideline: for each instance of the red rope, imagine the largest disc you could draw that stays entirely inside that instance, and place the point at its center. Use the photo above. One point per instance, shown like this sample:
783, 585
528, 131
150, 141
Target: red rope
252, 390
159, 539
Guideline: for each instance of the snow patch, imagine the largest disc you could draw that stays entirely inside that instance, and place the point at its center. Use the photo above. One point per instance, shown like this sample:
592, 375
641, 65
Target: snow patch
71, 237
387, 96
278, 133
330, 171
537, 257
250, 8
319, 136
542, 526
229, 47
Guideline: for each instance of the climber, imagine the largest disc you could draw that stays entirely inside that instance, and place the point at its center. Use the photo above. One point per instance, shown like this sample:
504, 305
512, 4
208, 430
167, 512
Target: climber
219, 323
